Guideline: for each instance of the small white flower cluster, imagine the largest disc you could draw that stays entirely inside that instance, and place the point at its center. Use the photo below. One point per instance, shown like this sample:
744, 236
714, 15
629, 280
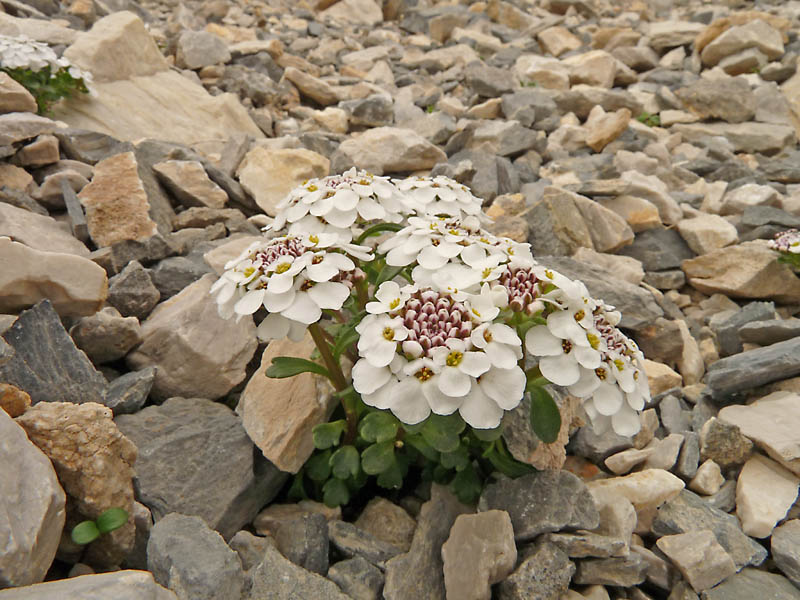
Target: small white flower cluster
22, 52
293, 277
786, 241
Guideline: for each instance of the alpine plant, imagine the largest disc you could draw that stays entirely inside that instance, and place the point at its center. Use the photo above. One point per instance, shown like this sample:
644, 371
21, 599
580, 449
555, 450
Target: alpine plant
787, 245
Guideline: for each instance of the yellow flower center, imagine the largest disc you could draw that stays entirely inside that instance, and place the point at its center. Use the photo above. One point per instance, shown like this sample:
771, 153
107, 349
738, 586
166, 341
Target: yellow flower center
312, 188
394, 303
454, 358
619, 364
424, 374
594, 341
601, 373
487, 335
249, 271
282, 268
579, 315
388, 334
313, 239
487, 272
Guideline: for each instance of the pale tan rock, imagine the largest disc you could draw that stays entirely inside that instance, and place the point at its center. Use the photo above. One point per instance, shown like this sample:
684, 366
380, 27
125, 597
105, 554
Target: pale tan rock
597, 68
706, 233
279, 414
603, 128
312, 87
507, 14
671, 117
354, 12
609, 231
755, 34
41, 30
750, 194
690, 363
38, 231
19, 126
15, 177
490, 109
42, 151
273, 47
661, 377
639, 213
479, 552
623, 267
747, 270
765, 492
116, 203
94, 463
335, 120
387, 522
75, 285
546, 72
13, 400
198, 354
188, 181
699, 557
219, 256
652, 189
269, 175
617, 516
622, 462
751, 137
385, 150
14, 97
117, 47
665, 452
708, 478
558, 40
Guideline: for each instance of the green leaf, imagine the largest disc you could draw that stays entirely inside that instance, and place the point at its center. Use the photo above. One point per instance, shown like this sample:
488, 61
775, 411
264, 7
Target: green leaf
377, 230
388, 273
502, 460
378, 427
378, 457
417, 442
85, 532
442, 432
297, 491
346, 337
318, 467
545, 416
327, 435
345, 462
488, 435
112, 519
289, 366
391, 478
335, 493
458, 459
466, 485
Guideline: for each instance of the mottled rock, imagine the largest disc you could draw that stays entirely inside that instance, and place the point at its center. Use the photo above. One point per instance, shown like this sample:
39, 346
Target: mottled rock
753, 583
625, 572
357, 578
387, 522
304, 541
351, 541
753, 368
728, 99
13, 400
706, 233
785, 546
765, 492
18, 126
768, 138
188, 181
724, 443
132, 292
277, 577
198, 49
385, 150
543, 574
699, 558
120, 585
603, 128
755, 34
106, 336
557, 226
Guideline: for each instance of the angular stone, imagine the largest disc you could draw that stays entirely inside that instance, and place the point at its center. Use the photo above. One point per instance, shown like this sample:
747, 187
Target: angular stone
544, 573
557, 226
357, 578
187, 330
727, 330
120, 585
269, 175
198, 49
542, 71
74, 285
753, 583
688, 512
14, 97
665, 452
749, 195
38, 231
670, 34
226, 494
42, 151
128, 393
312, 87
640, 214
769, 332
355, 12
785, 546
755, 34
603, 128
106, 336
30, 491
94, 462
625, 572
277, 577
351, 541
13, 401
419, 572
490, 82
765, 492
46, 363
587, 544
708, 479
384, 150
387, 522
706, 233
304, 541
596, 68
609, 231
269, 520
542, 502
192, 560
503, 138
767, 138
479, 552
132, 291
190, 184
18, 126
558, 40
752, 368
724, 443
699, 558
728, 99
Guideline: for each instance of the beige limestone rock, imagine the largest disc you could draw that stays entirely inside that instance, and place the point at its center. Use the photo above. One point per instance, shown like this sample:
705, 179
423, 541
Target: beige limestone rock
354, 12
609, 231
558, 40
387, 522
623, 267
622, 462
699, 558
75, 285
597, 68
603, 128
117, 47
655, 191
15, 177
665, 452
690, 363
706, 233
40, 152
385, 150
479, 552
14, 97
268, 520
94, 463
269, 175
312, 87
38, 231
198, 353
116, 203
661, 377
188, 181
750, 194
640, 214
41, 30
19, 126
545, 72
747, 270
751, 137
708, 478
279, 414
755, 34
765, 492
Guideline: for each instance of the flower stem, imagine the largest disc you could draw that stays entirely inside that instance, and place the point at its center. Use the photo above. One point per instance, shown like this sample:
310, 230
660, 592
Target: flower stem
337, 377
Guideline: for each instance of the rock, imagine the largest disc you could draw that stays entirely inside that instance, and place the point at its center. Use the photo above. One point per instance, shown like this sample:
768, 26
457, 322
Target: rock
479, 552
128, 393
46, 363
753, 583
665, 452
546, 72
626, 572
418, 573
269, 175
227, 494
769, 332
658, 249
276, 577
609, 231
374, 111
14, 97
94, 462
312, 87
660, 377
706, 233
558, 40
192, 560
708, 478
386, 150
755, 34
13, 400
489, 82
74, 285
763, 365
765, 492
387, 522
38, 231
356, 12
557, 226
749, 195
19, 126
269, 520
670, 34
785, 546
132, 291
640, 214
541, 502
351, 541
771, 422
699, 558
595, 68
688, 512
198, 49
543, 573
304, 541
106, 336
120, 585
622, 462
117, 47
724, 443
190, 184
218, 351
357, 578
727, 330
729, 99
31, 538
766, 138
603, 128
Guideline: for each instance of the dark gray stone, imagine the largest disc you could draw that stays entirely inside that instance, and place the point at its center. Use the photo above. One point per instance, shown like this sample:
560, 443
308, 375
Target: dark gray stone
89, 146
357, 578
543, 573
702, 412
148, 153
250, 548
132, 291
374, 111
598, 447
753, 583
765, 333
531, 108
728, 329
277, 578
489, 82
624, 572
688, 512
786, 549
725, 498
171, 275
195, 458
673, 279
658, 249
486, 182
689, 458
756, 216
192, 560
143, 521
542, 502
249, 83
116, 257
352, 541
304, 541
128, 393
753, 368
45, 362
585, 544
6, 352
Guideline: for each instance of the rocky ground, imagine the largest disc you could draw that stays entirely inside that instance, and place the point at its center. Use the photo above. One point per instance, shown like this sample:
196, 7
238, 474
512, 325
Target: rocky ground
647, 147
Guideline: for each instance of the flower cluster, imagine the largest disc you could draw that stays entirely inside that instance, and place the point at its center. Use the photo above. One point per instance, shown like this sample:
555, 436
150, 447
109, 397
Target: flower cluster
786, 241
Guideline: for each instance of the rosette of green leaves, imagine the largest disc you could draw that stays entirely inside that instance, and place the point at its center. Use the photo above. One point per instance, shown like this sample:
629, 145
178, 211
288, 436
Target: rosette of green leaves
48, 86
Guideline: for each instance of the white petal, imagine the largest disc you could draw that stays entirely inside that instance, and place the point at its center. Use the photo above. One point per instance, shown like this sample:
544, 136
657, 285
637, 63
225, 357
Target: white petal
502, 356
279, 302
329, 294
429, 258
382, 353
540, 342
323, 271
626, 422
409, 403
587, 384
383, 397
387, 292
250, 302
440, 403
480, 411
454, 383
280, 282
561, 370
303, 309
345, 200
367, 378
563, 325
475, 363
273, 327
587, 357
505, 386
607, 399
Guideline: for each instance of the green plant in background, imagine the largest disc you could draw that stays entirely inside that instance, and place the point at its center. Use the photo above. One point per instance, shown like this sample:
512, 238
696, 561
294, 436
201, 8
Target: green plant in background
88, 531
430, 108
649, 119
528, 83
787, 245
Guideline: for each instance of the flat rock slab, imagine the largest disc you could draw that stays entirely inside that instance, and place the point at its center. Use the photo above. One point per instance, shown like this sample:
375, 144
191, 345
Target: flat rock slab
699, 558
38, 231
120, 585
645, 490
765, 492
542, 502
625, 572
351, 541
277, 577
753, 583
753, 368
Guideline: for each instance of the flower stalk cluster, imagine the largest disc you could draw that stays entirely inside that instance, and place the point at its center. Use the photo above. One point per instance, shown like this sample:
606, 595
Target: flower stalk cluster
787, 245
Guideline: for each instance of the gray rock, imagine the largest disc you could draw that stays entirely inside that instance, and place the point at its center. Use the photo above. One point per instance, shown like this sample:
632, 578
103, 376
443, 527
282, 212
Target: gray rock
688, 512
585, 544
128, 393
304, 541
89, 146
674, 417
581, 99
557, 225
689, 458
625, 572
728, 330
31, 495
699, 558
46, 363
226, 486
173, 274
198, 49
532, 108
588, 444
148, 153
193, 561
118, 256
543, 573
418, 573
374, 111
120, 585
542, 502
724, 443
766, 138
673, 279
143, 522
786, 549
769, 332
106, 336
658, 249
352, 541
357, 578
6, 352
489, 82
753, 583
277, 578
250, 548
731, 99
132, 291
753, 368
725, 498
487, 181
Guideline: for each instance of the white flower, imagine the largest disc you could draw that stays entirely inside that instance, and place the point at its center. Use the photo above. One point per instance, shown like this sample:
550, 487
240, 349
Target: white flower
500, 343
459, 367
786, 241
438, 196
561, 359
389, 297
380, 335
